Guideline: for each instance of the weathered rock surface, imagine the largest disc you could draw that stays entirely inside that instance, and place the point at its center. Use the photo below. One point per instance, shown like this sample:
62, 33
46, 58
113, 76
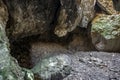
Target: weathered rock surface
107, 6
52, 61
106, 32
88, 12
116, 4
28, 17
53, 68
74, 14
9, 68
3, 14
95, 66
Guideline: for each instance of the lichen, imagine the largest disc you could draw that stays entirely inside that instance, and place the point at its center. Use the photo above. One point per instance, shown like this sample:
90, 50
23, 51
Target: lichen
107, 25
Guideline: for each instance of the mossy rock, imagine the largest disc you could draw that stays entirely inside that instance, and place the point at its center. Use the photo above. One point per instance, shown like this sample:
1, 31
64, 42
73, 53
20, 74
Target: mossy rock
105, 32
53, 68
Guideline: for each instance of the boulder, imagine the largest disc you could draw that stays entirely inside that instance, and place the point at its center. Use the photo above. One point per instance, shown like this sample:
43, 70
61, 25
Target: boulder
53, 68
72, 14
105, 32
28, 17
50, 61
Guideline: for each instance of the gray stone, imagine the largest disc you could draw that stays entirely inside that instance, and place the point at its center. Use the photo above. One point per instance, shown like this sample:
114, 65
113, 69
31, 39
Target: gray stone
53, 68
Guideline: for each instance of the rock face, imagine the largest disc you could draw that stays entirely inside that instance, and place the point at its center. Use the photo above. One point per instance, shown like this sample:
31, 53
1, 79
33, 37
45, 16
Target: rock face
28, 17
76, 13
88, 12
9, 69
67, 22
106, 32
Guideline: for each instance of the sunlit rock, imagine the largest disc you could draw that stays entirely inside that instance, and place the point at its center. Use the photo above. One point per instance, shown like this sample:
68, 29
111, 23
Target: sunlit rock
107, 6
